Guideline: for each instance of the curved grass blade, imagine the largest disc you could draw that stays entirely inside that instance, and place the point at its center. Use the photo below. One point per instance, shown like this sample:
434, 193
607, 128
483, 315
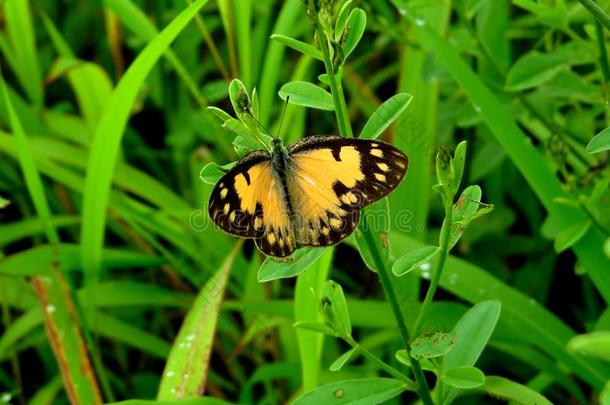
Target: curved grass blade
61, 324
187, 367
107, 141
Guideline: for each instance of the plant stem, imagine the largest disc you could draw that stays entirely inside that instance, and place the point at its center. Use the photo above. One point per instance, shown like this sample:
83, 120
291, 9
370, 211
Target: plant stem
345, 129
597, 12
436, 275
384, 276
382, 364
336, 89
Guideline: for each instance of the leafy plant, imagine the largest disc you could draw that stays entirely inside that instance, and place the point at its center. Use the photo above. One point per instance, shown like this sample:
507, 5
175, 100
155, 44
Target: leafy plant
118, 117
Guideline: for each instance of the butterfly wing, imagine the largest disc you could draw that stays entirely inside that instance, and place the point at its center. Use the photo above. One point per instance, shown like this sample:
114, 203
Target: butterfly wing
248, 202
332, 178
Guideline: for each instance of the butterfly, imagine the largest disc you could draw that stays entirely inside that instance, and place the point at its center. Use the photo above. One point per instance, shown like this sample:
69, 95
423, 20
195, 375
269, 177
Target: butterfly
307, 194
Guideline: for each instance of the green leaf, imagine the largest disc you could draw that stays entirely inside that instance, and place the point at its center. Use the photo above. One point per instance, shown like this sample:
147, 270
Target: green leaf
571, 235
532, 70
316, 327
385, 114
600, 142
343, 359
458, 162
467, 208
465, 378
212, 172
472, 333
401, 356
298, 262
307, 95
222, 115
512, 391
595, 344
4, 203
356, 23
300, 46
361, 391
107, 142
414, 259
607, 247
239, 98
342, 16
334, 308
187, 366
435, 345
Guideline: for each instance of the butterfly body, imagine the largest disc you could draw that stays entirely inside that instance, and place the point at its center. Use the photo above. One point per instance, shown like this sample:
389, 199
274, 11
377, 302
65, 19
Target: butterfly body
309, 194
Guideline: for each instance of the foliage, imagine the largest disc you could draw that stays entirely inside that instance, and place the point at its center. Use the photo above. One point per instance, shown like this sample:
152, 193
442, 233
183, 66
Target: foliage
118, 117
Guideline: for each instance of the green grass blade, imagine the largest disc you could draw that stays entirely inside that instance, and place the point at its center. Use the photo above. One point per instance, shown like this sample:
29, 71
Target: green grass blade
107, 141
50, 259
20, 28
137, 21
285, 25
242, 14
519, 148
186, 369
306, 310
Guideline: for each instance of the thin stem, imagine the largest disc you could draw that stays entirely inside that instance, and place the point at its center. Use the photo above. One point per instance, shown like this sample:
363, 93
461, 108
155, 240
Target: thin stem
211, 46
345, 129
382, 271
382, 364
336, 89
445, 236
597, 12
603, 60
594, 220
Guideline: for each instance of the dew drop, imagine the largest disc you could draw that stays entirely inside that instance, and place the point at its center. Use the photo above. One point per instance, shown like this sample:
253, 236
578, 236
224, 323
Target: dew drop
477, 108
453, 277
5, 397
339, 393
420, 22
50, 309
170, 374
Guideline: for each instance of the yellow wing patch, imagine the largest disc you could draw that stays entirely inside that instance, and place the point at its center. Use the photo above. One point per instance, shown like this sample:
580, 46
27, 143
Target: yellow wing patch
248, 202
332, 178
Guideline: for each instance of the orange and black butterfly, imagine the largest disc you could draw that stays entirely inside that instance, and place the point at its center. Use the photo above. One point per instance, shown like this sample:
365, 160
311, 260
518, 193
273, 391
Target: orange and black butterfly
308, 194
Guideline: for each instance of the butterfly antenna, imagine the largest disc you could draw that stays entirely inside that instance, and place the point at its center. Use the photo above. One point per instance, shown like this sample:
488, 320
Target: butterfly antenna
258, 122
279, 130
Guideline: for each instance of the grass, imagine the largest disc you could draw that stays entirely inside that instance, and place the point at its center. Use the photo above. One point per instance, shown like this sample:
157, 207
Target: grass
115, 287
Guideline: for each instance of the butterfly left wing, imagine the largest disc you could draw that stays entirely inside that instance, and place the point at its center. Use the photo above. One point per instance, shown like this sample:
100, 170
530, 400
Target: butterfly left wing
331, 178
248, 202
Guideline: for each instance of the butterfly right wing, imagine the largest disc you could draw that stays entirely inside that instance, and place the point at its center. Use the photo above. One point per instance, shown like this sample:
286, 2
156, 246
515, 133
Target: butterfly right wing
248, 202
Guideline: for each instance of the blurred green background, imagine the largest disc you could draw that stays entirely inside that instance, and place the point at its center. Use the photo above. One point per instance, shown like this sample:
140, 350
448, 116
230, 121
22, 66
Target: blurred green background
105, 242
